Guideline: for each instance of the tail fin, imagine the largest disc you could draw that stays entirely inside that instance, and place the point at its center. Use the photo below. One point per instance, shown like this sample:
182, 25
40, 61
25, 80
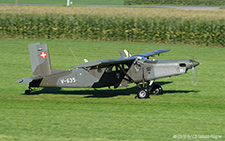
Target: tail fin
40, 59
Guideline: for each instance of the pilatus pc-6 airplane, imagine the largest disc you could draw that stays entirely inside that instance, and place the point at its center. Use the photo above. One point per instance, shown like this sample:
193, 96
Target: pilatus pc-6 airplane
118, 72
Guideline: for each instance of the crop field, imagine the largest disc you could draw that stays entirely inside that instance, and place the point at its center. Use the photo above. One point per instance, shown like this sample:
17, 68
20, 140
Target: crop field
175, 2
63, 2
116, 12
184, 111
194, 27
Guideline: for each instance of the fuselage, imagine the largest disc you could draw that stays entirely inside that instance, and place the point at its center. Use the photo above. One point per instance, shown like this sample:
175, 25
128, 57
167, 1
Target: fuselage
116, 75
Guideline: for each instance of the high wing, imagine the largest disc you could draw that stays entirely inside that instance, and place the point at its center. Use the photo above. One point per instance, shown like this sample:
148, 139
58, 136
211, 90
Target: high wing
152, 53
105, 63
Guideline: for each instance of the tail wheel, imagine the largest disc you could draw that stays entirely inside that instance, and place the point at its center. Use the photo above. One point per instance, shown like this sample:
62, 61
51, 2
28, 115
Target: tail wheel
27, 92
143, 93
156, 90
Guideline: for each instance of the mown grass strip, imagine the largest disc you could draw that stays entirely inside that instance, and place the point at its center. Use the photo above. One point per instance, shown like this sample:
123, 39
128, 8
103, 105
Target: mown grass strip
103, 114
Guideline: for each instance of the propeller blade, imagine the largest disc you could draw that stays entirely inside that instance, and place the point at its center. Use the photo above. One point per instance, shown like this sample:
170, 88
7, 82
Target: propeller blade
194, 76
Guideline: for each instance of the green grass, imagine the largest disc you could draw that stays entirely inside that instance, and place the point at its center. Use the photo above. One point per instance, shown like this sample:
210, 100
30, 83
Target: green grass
86, 114
63, 2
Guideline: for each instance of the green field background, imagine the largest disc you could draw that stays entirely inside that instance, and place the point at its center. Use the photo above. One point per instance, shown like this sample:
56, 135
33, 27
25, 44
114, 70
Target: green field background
102, 114
183, 111
63, 2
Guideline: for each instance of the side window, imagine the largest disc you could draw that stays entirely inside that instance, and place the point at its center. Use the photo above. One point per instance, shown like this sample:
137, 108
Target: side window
125, 67
111, 69
137, 66
137, 63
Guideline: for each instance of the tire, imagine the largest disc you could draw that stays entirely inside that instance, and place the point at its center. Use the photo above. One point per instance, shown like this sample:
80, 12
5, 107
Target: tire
156, 90
143, 93
27, 92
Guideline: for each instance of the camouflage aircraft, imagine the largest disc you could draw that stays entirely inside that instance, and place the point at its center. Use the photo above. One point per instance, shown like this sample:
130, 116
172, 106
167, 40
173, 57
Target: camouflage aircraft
118, 72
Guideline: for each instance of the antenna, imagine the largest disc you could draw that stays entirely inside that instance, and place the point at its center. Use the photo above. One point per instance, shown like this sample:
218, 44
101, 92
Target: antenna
74, 56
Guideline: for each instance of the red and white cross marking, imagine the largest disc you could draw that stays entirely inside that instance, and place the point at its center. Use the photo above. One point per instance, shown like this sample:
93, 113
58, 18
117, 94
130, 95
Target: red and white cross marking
43, 55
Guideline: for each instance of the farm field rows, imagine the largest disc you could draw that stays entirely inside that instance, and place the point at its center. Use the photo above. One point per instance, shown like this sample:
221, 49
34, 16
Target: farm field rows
102, 114
194, 27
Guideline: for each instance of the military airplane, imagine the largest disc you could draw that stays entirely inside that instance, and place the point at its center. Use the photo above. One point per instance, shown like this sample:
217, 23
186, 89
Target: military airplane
118, 72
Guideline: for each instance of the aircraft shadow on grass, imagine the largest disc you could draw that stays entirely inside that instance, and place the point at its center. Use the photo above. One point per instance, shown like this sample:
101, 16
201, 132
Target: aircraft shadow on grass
104, 93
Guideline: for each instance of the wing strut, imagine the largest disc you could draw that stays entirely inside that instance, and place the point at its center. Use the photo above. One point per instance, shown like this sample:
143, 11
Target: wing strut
129, 78
143, 77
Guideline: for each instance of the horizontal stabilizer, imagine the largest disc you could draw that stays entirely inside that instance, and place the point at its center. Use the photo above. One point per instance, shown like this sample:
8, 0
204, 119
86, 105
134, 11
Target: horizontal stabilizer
122, 55
27, 80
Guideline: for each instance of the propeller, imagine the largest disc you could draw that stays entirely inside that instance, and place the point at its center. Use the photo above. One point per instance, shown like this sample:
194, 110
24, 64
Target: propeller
194, 78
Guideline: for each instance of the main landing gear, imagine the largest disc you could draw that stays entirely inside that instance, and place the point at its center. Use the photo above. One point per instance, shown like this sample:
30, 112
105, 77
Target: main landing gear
143, 93
156, 90
147, 89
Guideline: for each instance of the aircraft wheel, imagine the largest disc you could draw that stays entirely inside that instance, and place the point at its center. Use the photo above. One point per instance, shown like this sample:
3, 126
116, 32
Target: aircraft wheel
27, 92
156, 90
143, 93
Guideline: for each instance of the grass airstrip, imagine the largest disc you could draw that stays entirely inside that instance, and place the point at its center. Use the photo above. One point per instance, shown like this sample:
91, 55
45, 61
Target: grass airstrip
102, 114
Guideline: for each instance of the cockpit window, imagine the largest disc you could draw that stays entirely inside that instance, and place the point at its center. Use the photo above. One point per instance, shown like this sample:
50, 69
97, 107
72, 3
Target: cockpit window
140, 59
137, 66
182, 65
138, 62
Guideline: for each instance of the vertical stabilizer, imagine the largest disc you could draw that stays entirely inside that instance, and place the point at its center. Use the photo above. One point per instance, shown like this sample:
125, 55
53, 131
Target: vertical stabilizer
40, 60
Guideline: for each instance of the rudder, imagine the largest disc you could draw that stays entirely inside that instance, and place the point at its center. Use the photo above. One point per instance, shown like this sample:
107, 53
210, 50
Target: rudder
40, 59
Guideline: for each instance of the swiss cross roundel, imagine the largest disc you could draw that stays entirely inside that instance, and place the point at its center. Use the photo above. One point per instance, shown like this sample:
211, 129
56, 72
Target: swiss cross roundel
43, 55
